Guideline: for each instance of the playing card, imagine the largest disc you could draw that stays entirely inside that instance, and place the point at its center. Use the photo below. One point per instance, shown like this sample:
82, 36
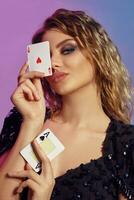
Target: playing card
39, 58
49, 143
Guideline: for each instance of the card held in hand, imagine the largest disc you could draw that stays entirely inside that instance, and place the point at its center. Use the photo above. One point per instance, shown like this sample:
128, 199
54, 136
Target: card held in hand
38, 56
49, 143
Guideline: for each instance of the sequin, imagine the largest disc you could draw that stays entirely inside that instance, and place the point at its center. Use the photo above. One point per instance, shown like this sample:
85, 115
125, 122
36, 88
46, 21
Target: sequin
87, 184
106, 187
126, 145
126, 175
130, 197
110, 156
77, 196
117, 166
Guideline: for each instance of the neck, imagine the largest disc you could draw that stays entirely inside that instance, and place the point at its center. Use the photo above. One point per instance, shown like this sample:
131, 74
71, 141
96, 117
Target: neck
83, 107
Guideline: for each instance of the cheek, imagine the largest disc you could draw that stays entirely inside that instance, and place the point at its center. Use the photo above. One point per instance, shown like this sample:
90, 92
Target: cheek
81, 73
81, 68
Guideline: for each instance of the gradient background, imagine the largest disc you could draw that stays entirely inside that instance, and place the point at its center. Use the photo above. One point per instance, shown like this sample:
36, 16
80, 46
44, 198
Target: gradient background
20, 19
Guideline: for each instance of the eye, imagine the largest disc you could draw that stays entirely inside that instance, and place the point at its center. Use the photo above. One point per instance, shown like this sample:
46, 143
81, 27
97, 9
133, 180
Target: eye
68, 50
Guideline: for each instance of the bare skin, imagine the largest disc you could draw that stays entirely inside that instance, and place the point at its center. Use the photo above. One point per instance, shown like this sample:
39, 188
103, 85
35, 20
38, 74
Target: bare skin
81, 124
28, 97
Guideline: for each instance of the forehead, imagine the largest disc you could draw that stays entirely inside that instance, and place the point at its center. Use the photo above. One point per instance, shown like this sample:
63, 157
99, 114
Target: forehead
55, 36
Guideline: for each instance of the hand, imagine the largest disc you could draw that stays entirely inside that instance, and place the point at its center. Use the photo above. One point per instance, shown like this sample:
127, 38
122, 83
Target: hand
41, 186
28, 97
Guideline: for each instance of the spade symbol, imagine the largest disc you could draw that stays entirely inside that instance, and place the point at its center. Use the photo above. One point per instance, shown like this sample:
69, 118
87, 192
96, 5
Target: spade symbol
42, 137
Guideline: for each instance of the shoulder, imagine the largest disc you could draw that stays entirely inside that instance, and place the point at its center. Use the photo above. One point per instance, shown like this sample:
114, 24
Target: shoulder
121, 132
119, 137
124, 135
123, 142
121, 127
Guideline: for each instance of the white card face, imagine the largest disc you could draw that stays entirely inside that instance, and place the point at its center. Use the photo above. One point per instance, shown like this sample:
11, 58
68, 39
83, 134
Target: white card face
39, 58
49, 143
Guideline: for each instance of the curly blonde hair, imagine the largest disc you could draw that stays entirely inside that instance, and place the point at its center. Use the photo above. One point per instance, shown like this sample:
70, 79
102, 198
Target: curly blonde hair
112, 78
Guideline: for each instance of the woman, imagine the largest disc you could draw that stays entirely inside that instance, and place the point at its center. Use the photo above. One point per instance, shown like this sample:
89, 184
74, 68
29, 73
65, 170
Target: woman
89, 106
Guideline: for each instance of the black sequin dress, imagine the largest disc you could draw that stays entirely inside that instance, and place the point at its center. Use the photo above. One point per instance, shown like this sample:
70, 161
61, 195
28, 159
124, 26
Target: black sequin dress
101, 179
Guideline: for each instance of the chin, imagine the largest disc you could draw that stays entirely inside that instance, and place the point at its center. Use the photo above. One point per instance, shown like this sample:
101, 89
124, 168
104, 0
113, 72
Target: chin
63, 91
70, 87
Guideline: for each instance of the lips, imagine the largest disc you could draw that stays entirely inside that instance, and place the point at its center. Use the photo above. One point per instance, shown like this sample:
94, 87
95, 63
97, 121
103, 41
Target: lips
58, 76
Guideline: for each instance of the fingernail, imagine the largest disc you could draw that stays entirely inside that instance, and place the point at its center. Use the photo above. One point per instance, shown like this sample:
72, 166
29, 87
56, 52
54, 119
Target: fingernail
19, 190
35, 142
37, 95
37, 98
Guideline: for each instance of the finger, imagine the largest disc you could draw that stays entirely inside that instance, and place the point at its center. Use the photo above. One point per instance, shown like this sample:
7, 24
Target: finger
38, 85
34, 90
28, 183
28, 93
46, 164
23, 69
30, 174
29, 75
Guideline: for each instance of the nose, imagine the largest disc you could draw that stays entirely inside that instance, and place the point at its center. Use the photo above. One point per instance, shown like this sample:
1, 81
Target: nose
56, 61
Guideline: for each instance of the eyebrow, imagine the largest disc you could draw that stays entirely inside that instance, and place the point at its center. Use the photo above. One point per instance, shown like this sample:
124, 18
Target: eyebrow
62, 42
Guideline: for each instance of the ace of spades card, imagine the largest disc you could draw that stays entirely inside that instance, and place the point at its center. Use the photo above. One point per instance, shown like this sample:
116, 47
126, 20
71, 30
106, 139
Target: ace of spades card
49, 143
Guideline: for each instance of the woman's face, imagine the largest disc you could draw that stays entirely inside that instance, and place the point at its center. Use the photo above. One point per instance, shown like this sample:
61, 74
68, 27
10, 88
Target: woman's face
71, 69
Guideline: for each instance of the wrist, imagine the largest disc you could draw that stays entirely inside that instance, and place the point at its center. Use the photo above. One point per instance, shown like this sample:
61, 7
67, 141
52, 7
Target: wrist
28, 131
34, 118
34, 124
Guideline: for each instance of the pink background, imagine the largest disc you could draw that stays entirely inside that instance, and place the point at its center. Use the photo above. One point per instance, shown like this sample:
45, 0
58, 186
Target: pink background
20, 19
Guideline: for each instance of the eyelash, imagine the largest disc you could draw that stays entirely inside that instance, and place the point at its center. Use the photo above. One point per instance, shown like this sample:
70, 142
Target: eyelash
68, 50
